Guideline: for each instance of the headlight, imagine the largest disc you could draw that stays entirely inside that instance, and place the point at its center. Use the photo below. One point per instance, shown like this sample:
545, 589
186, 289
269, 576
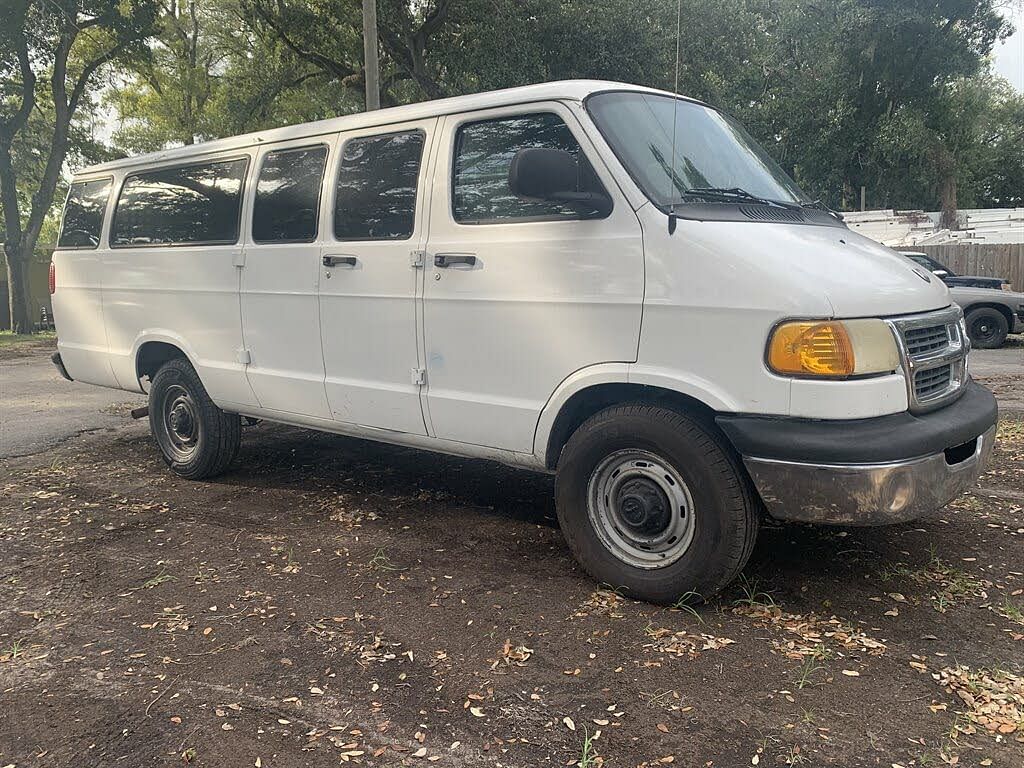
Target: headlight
832, 348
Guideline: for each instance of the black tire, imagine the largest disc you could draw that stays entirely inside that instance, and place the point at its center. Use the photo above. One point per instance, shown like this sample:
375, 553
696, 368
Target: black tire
725, 509
987, 327
196, 438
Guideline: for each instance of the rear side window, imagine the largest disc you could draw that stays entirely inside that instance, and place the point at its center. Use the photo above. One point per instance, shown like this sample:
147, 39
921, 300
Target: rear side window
288, 196
83, 214
377, 178
194, 204
483, 154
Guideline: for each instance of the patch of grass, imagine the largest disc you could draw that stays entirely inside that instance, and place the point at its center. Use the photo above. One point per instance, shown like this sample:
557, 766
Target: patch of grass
892, 571
805, 675
1010, 611
9, 340
659, 699
685, 603
812, 666
157, 580
794, 757
381, 562
588, 755
1010, 431
15, 651
952, 585
752, 595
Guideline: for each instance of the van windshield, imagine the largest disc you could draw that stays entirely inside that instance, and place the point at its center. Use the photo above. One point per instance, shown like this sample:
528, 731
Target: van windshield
716, 160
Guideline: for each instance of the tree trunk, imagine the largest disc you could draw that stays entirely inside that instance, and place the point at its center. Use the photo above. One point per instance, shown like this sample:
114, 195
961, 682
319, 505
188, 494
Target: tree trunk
18, 293
947, 195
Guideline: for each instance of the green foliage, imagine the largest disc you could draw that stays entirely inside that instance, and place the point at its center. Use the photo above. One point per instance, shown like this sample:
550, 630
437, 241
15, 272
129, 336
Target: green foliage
895, 97
51, 55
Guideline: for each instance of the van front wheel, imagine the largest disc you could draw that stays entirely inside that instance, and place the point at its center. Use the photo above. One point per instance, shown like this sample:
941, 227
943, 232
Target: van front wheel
654, 503
195, 437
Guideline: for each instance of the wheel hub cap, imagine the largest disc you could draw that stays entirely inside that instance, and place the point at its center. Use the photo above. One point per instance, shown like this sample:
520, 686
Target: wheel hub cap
179, 430
644, 506
181, 421
641, 509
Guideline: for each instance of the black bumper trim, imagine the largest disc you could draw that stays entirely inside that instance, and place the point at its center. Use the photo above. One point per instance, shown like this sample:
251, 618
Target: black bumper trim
55, 358
894, 437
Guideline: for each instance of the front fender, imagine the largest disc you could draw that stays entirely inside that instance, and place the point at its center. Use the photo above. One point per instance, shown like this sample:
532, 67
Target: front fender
624, 373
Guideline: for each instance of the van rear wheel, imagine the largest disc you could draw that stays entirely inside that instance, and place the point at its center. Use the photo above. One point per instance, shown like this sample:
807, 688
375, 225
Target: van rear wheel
195, 437
654, 503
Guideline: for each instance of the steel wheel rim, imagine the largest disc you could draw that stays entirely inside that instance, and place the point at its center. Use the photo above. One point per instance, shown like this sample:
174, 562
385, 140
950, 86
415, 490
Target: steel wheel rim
181, 427
629, 495
983, 330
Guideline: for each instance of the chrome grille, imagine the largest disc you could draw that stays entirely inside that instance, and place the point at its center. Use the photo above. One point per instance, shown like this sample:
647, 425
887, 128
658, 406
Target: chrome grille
933, 348
932, 382
920, 341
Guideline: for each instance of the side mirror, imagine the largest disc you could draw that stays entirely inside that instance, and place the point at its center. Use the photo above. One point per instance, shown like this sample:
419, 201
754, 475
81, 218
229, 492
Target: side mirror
940, 273
553, 174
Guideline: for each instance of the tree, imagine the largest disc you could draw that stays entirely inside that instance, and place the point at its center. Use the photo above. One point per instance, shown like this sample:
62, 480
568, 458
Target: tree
843, 76
327, 34
165, 102
53, 49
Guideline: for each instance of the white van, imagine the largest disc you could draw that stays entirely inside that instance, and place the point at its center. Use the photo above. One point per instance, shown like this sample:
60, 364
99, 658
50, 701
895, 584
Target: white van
600, 280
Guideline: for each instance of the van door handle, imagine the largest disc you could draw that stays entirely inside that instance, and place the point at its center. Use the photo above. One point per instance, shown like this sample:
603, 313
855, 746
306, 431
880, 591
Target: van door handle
445, 260
333, 261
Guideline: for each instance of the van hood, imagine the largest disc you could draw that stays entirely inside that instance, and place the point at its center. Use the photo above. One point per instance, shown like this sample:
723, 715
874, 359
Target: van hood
858, 276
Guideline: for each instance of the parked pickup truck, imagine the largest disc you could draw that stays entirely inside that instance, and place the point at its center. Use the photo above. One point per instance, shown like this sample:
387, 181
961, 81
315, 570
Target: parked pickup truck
991, 308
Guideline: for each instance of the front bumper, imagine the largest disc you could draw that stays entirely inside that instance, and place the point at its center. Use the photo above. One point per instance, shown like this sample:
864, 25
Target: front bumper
877, 471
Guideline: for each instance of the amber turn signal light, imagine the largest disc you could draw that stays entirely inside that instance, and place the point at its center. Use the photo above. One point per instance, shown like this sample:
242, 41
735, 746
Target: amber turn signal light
811, 348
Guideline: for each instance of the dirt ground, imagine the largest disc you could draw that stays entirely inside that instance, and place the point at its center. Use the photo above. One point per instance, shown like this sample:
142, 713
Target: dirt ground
331, 601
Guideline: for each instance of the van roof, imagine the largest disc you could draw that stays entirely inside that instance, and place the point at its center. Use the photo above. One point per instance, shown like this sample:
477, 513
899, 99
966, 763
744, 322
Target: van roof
572, 90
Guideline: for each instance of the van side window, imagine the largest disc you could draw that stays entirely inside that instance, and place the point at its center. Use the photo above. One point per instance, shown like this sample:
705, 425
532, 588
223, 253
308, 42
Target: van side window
377, 182
288, 195
83, 214
483, 154
194, 204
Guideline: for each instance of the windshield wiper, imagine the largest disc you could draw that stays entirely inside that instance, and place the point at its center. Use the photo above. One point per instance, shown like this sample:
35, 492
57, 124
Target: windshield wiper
734, 194
819, 205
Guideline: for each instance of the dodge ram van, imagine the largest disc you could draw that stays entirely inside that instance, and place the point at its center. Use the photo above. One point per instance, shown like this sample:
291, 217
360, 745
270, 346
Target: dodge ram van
602, 281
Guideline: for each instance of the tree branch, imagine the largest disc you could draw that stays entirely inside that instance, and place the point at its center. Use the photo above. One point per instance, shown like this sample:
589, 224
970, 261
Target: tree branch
337, 68
8, 128
90, 70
